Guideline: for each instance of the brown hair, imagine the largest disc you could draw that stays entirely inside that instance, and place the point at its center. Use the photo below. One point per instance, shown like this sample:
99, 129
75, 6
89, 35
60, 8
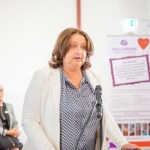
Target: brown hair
62, 46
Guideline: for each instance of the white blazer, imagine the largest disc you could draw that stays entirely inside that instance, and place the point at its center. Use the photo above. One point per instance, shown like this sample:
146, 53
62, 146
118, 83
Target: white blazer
41, 114
11, 118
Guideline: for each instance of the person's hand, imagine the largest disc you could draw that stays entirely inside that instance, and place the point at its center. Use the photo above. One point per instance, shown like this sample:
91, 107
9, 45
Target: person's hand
15, 149
130, 146
13, 132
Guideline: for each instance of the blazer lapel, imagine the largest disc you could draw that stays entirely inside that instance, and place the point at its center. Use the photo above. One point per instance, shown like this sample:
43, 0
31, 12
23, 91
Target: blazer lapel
6, 114
55, 97
55, 80
93, 78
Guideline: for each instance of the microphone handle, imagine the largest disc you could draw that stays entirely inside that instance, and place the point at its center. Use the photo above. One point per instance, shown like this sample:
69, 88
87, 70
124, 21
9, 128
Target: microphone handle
99, 110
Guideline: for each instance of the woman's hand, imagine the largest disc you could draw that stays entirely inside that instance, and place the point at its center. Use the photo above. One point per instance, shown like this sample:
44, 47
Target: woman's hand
15, 149
129, 146
13, 132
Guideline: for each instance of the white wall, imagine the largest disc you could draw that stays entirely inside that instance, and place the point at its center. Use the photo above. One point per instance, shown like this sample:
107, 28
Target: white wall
28, 31
29, 28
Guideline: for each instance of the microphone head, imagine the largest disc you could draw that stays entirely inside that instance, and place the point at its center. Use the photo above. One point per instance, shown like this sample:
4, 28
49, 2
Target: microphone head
98, 88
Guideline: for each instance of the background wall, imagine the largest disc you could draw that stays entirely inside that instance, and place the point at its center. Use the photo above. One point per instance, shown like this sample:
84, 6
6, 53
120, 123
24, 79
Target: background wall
29, 28
28, 31
103, 18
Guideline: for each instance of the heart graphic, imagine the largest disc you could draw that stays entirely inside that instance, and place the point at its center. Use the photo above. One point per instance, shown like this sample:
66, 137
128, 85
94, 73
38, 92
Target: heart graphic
143, 42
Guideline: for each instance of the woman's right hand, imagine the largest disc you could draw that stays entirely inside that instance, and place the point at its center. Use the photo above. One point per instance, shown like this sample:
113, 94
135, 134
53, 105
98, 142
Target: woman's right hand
13, 132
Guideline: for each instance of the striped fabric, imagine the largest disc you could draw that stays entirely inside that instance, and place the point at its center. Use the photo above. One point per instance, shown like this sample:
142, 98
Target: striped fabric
75, 105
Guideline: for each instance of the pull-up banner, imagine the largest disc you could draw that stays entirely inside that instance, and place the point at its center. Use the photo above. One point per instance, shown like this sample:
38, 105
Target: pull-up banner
129, 60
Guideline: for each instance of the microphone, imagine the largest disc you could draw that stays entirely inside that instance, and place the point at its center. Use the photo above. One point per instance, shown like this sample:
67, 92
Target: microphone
98, 94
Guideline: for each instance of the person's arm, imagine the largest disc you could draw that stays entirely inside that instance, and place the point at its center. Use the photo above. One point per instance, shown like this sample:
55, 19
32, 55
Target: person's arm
32, 115
130, 146
1, 131
116, 135
14, 120
13, 131
113, 130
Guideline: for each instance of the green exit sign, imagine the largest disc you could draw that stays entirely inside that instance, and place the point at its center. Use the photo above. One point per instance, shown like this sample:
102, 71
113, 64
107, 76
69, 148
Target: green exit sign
133, 23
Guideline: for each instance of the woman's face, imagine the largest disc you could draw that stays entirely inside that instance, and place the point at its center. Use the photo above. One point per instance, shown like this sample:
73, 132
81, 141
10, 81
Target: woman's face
1, 94
76, 54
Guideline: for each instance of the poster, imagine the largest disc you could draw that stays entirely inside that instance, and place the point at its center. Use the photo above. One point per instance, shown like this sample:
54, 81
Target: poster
129, 64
